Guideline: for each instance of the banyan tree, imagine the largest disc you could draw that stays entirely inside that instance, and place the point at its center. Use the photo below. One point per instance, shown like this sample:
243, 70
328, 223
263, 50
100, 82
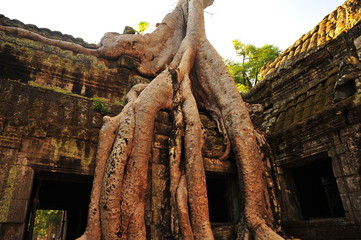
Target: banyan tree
187, 75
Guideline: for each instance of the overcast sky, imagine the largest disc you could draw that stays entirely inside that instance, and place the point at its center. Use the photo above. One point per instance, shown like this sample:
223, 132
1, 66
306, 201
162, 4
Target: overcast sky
258, 22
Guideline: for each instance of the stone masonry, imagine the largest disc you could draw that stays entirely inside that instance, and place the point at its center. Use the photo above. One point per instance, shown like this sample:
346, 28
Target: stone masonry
53, 100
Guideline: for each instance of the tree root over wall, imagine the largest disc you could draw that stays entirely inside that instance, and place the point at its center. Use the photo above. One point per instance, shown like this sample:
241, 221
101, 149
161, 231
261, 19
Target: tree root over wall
189, 74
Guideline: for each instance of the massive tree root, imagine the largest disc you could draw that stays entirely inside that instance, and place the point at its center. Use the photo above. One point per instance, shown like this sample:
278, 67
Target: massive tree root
189, 74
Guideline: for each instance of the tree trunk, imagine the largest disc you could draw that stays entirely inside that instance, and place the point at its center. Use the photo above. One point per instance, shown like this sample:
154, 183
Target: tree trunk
189, 74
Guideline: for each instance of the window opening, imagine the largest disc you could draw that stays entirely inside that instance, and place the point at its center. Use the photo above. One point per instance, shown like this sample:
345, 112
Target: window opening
317, 190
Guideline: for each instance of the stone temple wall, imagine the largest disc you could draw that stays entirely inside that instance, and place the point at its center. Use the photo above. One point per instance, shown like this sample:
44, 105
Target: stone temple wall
49, 122
311, 116
40, 131
49, 126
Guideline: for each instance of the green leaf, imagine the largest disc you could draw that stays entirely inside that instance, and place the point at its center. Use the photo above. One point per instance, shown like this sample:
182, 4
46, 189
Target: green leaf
142, 26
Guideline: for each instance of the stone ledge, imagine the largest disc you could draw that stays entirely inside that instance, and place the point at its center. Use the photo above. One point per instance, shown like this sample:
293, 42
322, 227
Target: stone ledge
44, 31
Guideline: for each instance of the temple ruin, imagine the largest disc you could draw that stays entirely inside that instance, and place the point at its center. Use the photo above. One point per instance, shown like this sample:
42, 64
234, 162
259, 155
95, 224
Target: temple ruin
53, 101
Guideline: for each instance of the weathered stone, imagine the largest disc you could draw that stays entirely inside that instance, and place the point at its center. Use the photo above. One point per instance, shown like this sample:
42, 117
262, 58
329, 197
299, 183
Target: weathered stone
323, 123
161, 128
48, 124
163, 117
214, 165
15, 193
161, 141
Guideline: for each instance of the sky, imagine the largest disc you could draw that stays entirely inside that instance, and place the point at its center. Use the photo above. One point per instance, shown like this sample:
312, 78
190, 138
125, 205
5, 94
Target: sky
257, 22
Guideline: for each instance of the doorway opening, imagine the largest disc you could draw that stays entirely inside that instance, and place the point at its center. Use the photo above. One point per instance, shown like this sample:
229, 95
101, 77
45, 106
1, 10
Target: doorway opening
317, 190
59, 206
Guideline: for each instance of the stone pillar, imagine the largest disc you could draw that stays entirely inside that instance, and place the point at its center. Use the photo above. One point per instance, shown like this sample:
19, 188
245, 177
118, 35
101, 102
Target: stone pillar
16, 185
346, 155
158, 213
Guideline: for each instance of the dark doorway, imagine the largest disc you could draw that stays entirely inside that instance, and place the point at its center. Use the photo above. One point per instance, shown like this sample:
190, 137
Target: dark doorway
67, 194
317, 190
223, 199
218, 200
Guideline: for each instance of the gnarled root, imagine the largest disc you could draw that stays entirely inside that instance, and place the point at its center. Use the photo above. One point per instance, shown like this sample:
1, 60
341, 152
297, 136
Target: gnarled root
196, 76
242, 135
191, 73
195, 173
113, 177
134, 186
109, 188
183, 210
107, 134
264, 232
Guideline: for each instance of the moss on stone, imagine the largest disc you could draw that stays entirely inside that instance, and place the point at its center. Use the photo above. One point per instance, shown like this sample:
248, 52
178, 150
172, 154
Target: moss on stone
87, 155
76, 149
5, 200
35, 54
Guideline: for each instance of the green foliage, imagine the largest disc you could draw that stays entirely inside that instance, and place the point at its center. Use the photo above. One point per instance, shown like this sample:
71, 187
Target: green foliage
242, 88
99, 106
142, 26
247, 71
55, 89
46, 220
236, 70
